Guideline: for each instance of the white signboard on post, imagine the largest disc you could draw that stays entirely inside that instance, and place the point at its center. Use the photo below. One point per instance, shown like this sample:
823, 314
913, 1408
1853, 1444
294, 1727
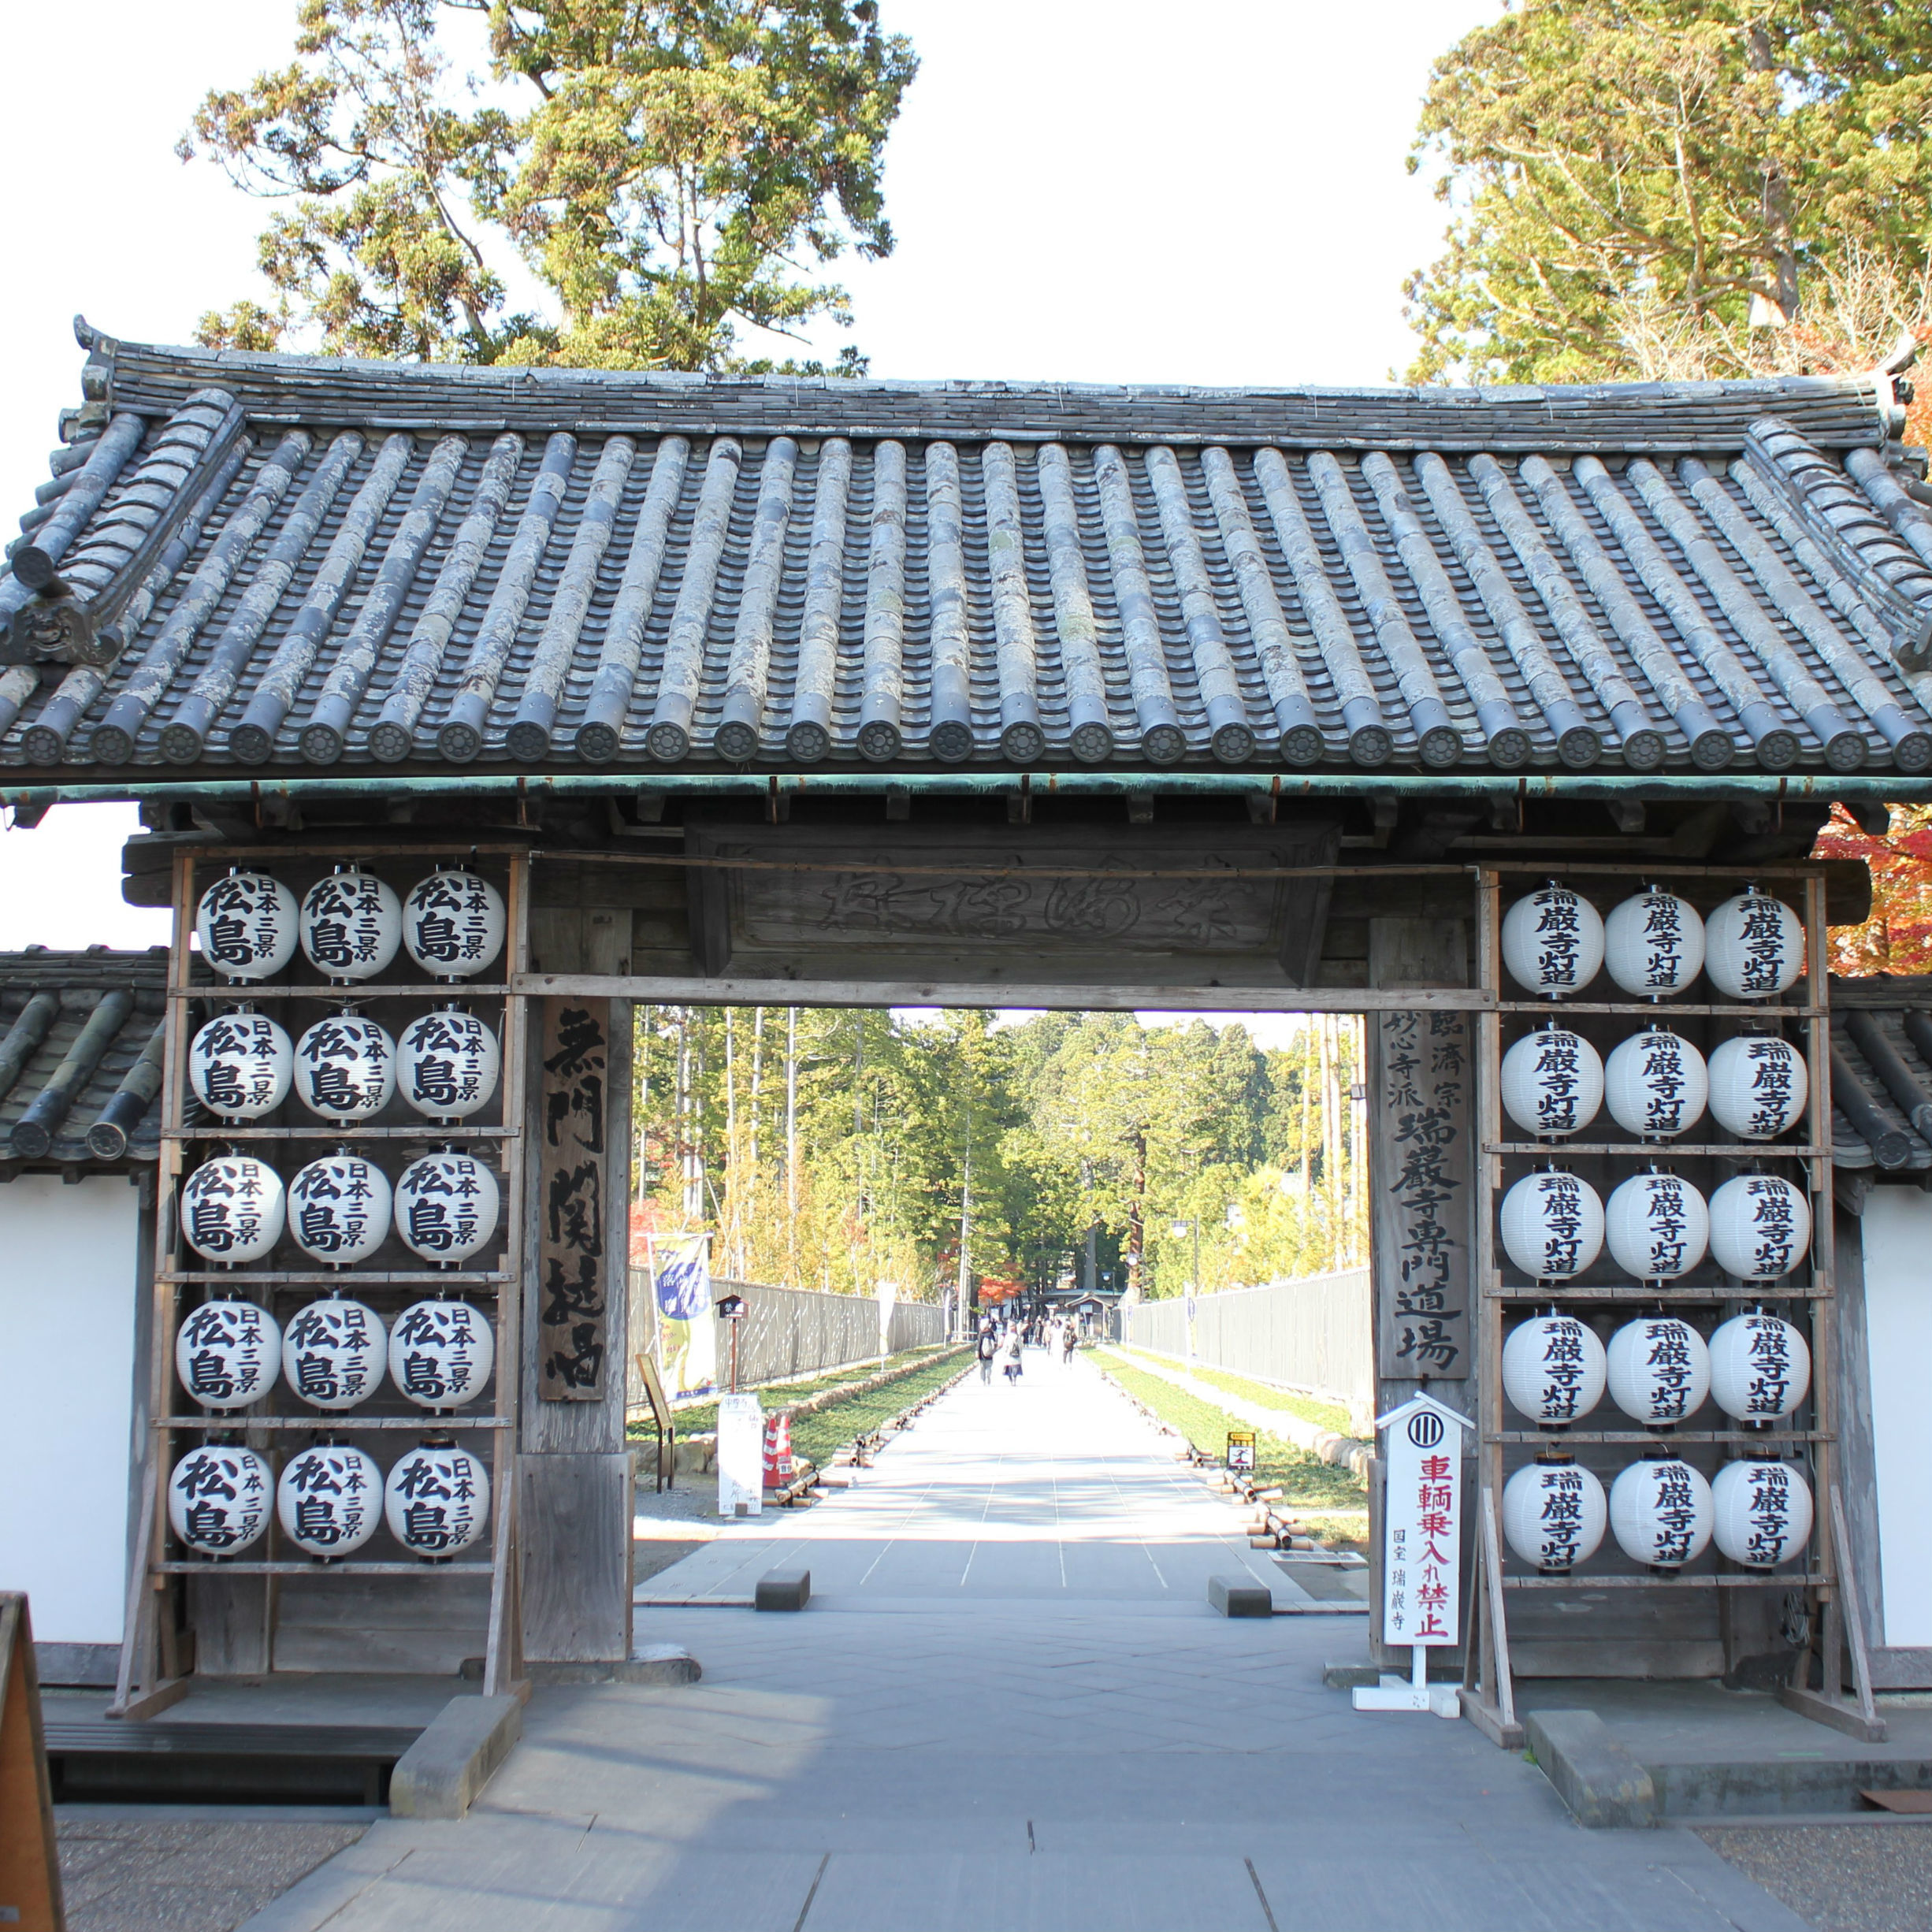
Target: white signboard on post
1421, 1550
741, 1456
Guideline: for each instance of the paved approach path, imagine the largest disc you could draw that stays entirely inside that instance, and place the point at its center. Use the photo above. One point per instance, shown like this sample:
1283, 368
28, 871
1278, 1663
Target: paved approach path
1008, 1709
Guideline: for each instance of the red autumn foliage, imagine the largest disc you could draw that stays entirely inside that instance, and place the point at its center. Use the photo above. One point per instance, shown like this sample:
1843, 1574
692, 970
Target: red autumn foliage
1897, 939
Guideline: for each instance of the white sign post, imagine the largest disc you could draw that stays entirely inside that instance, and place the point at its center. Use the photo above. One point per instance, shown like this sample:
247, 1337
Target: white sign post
1422, 1551
741, 1456
888, 1292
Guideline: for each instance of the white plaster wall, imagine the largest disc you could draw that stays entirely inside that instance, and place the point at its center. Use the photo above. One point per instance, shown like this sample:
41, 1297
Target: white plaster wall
68, 1276
1898, 1235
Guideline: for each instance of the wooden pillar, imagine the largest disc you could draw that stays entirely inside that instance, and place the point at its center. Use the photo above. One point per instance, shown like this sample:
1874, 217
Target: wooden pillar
1422, 1117
573, 1468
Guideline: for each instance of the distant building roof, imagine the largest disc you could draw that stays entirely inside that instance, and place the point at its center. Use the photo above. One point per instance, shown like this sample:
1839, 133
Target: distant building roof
248, 564
80, 1055
1881, 1076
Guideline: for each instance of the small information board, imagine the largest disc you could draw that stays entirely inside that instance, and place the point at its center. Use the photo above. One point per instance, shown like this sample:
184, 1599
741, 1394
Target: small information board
1421, 1551
1422, 1529
1241, 1451
741, 1456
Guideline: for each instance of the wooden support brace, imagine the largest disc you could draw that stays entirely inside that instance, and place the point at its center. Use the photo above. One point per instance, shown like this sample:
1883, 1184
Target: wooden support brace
1492, 1708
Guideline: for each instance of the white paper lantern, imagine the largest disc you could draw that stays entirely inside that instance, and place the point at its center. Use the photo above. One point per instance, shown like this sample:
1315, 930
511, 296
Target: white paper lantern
240, 1065
1660, 1513
246, 923
1552, 1082
1654, 944
446, 1206
1656, 1084
1552, 1225
1760, 1226
334, 1353
345, 1068
1754, 946
1759, 1086
329, 1499
1659, 1370
1553, 1369
437, 1499
453, 924
1763, 1509
1657, 1227
339, 1209
218, 1498
231, 1209
351, 924
227, 1354
1760, 1368
440, 1353
1553, 941
1553, 1514
448, 1064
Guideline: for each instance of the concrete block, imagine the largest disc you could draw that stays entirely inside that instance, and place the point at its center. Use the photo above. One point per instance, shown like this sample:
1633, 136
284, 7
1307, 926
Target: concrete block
442, 1772
783, 1589
1240, 1596
1604, 1785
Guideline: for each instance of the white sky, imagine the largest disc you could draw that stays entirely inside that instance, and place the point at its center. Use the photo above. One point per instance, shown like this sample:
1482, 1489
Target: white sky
1080, 192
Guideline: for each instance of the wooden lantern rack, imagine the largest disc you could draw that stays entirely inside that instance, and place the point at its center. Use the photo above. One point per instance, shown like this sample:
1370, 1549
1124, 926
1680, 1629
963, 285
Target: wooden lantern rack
150, 1676
1825, 1575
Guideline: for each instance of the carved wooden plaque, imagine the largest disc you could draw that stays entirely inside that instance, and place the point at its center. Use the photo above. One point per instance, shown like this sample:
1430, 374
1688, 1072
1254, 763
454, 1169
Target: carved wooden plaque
573, 1270
968, 903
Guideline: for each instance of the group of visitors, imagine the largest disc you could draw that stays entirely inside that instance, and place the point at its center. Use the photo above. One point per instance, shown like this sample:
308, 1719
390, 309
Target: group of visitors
1005, 1339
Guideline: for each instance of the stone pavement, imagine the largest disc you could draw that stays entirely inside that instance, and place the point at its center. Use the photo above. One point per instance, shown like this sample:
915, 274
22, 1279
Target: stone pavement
1008, 1709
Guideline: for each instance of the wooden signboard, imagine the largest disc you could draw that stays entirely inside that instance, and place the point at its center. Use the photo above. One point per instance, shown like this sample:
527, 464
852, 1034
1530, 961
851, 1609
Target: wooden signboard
1152, 905
1420, 1170
574, 1269
30, 1871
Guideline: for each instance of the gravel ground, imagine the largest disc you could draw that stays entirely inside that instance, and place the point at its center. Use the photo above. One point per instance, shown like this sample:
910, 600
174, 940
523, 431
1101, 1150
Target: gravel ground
1842, 1877
184, 1874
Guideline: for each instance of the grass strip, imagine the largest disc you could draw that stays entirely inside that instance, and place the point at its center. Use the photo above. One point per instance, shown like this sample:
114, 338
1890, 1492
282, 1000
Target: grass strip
700, 1418
821, 1435
1323, 1415
1332, 1503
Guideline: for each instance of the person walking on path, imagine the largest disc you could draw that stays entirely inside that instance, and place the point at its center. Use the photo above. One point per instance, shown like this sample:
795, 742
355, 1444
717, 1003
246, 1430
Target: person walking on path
1066, 1345
1014, 1367
988, 1347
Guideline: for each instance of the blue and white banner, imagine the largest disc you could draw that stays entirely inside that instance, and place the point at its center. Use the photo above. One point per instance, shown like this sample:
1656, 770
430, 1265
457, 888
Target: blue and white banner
684, 1277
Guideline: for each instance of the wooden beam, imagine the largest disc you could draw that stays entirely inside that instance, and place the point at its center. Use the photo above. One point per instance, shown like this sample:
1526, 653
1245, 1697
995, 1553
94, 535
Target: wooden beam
665, 990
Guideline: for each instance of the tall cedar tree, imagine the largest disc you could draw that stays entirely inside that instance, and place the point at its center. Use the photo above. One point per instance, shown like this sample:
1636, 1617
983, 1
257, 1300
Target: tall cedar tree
1636, 182
666, 171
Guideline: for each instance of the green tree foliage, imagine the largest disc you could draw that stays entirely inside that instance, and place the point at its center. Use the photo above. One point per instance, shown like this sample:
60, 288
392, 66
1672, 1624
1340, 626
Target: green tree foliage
1637, 179
838, 1150
666, 171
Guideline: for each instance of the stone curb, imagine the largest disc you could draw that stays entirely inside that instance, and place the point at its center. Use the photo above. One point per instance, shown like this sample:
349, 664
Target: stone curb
441, 1774
1604, 1785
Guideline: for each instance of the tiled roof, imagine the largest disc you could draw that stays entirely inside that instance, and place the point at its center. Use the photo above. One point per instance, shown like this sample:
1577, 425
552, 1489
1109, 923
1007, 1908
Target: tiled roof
1882, 1075
80, 1055
266, 563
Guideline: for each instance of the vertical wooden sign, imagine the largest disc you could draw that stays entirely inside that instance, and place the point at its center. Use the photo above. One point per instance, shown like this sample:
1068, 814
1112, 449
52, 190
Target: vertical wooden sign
574, 1272
1420, 1170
